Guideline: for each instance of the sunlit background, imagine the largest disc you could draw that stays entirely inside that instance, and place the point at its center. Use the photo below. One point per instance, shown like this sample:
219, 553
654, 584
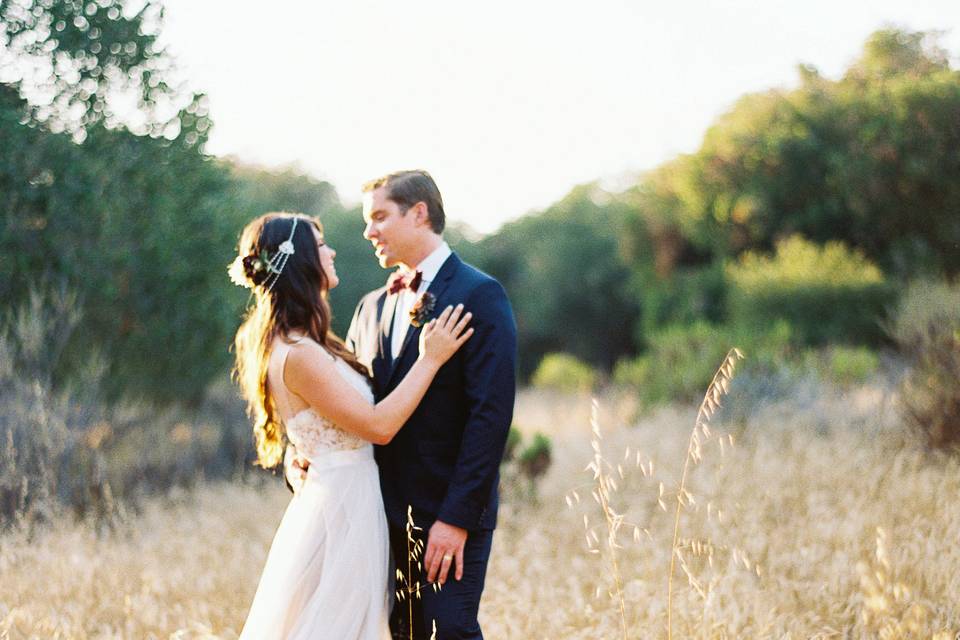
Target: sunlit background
654, 185
508, 104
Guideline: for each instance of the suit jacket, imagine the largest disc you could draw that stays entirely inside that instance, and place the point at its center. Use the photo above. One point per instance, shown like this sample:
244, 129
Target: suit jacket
445, 460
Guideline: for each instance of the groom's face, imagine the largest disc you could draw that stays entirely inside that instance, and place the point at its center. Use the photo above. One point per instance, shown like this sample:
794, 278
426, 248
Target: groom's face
393, 232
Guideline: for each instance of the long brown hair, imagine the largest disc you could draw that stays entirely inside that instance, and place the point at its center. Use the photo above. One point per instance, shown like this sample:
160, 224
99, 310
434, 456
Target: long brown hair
298, 303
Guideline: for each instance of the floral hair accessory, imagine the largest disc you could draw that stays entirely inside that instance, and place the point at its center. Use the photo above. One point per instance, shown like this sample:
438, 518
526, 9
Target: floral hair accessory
254, 270
421, 311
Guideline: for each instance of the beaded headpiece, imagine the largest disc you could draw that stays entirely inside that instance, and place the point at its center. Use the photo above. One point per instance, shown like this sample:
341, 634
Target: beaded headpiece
263, 269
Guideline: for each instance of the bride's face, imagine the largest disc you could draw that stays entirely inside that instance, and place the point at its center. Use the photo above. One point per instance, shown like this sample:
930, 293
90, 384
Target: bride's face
327, 256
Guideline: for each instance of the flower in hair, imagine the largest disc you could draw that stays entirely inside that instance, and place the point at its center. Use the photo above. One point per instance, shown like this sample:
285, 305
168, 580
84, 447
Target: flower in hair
255, 270
249, 271
238, 272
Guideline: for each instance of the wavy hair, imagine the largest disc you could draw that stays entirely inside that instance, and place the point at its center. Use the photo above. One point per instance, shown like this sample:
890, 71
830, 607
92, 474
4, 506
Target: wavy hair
297, 303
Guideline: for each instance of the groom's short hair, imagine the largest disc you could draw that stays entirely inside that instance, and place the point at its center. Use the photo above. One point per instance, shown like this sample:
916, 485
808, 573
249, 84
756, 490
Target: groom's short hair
407, 188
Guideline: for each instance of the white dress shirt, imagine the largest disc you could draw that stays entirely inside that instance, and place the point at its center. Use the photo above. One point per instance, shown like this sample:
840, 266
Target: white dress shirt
429, 267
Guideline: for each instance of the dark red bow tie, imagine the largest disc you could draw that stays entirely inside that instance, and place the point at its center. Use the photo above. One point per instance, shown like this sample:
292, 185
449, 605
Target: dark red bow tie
400, 281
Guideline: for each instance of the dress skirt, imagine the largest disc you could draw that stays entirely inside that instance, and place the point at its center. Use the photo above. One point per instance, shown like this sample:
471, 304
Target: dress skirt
328, 572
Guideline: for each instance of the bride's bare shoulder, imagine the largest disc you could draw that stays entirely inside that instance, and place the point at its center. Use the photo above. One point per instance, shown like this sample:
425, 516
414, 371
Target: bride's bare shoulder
308, 354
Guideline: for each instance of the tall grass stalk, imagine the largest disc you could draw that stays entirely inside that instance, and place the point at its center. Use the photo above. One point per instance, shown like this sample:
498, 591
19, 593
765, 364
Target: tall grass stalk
614, 520
719, 386
602, 487
192, 560
408, 589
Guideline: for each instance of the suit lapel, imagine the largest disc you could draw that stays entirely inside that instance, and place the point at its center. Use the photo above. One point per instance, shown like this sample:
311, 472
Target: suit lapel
387, 312
383, 359
437, 288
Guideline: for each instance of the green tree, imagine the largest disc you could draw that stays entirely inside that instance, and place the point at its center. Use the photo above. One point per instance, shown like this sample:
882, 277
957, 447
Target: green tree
827, 293
568, 279
869, 159
141, 229
137, 225
70, 58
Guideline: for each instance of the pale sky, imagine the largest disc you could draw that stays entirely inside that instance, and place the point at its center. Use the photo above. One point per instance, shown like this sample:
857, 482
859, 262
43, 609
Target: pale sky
508, 104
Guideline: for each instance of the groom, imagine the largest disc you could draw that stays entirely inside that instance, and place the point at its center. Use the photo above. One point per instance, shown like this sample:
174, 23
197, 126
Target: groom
444, 462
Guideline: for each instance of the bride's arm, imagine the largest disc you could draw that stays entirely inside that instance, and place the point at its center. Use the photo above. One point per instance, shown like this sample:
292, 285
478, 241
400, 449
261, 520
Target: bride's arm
312, 375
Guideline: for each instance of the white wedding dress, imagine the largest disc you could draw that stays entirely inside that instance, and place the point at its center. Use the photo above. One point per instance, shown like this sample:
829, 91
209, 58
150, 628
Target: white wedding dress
328, 572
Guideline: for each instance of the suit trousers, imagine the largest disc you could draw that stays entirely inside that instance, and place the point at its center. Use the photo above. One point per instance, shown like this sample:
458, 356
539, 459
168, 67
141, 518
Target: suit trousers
454, 606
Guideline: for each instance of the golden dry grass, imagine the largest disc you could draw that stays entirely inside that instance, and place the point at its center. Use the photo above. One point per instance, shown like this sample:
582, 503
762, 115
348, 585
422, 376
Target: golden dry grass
821, 522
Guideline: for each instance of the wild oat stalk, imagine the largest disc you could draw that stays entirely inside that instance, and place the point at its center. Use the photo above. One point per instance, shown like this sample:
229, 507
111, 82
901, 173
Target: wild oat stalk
614, 520
719, 386
409, 589
603, 485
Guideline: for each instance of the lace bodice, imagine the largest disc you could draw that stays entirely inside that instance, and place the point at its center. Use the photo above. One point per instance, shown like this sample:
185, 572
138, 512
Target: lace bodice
311, 433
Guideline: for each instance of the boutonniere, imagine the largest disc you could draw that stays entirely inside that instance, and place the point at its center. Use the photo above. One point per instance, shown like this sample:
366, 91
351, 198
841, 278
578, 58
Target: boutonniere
421, 311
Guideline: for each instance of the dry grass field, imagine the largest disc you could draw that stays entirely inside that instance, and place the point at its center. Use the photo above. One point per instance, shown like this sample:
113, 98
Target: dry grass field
820, 521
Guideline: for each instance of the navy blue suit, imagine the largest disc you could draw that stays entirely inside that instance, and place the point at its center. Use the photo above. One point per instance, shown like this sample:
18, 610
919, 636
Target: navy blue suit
445, 461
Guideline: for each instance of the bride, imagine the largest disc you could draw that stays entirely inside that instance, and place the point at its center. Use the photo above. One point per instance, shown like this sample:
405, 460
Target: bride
327, 574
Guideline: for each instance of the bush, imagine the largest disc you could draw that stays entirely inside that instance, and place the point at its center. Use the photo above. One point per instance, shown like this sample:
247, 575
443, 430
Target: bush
926, 328
632, 372
536, 457
682, 360
514, 437
69, 447
523, 465
849, 365
39, 428
564, 372
689, 295
828, 294
140, 229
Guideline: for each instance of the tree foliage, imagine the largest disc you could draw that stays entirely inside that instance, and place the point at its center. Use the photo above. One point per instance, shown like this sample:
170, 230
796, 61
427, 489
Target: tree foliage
870, 159
567, 279
141, 229
137, 225
127, 210
827, 293
72, 60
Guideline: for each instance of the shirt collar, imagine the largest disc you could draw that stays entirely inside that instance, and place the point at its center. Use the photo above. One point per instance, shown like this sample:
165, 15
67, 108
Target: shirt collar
430, 265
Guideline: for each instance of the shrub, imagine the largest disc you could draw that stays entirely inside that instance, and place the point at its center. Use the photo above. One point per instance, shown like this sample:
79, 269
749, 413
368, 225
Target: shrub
681, 360
687, 296
523, 465
140, 228
850, 365
632, 372
69, 447
827, 293
514, 437
38, 427
926, 328
536, 457
564, 372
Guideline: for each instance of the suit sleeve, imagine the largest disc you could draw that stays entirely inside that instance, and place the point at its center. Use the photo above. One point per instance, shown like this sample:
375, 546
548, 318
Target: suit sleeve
490, 388
353, 332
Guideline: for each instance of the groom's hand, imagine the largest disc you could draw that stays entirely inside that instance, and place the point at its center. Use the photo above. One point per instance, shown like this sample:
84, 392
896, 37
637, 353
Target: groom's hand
294, 468
445, 544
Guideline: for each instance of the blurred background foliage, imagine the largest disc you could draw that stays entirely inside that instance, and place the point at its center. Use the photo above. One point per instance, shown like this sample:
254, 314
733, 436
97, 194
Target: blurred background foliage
792, 232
